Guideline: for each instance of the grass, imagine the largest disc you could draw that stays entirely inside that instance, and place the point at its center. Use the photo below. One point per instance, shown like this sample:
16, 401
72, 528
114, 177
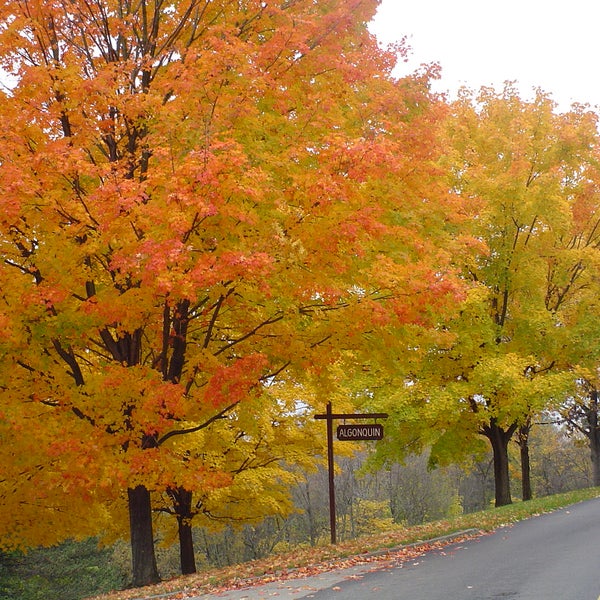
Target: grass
312, 560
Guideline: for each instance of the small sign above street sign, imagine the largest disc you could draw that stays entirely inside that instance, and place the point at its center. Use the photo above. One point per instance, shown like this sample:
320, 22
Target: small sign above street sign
356, 433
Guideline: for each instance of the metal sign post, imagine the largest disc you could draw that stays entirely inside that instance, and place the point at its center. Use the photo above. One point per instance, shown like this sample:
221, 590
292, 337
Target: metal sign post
353, 433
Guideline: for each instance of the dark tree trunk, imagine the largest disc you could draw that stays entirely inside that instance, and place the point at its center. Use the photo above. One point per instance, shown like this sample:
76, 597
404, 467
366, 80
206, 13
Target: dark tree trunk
182, 504
175, 328
499, 439
186, 547
595, 455
523, 441
593, 435
143, 558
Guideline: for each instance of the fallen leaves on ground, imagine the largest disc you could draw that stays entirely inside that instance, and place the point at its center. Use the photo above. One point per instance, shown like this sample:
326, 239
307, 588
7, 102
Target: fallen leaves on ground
391, 548
312, 562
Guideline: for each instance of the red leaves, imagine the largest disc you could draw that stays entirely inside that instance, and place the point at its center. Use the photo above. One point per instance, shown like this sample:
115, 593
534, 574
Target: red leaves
229, 384
210, 270
190, 214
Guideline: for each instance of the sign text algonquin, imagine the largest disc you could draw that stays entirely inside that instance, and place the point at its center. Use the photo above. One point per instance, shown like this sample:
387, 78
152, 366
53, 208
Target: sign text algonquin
374, 431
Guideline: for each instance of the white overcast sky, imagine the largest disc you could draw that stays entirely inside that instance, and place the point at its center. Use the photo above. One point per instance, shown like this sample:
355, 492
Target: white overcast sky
550, 44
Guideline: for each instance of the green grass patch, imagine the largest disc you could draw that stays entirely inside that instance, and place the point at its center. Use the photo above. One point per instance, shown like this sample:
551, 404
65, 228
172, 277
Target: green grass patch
69, 571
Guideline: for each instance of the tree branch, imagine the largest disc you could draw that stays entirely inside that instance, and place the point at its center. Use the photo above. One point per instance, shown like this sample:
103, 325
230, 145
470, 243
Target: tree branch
220, 415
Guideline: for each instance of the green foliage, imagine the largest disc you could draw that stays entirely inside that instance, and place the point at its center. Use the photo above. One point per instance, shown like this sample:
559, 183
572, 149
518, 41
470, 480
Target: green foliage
525, 179
70, 571
373, 516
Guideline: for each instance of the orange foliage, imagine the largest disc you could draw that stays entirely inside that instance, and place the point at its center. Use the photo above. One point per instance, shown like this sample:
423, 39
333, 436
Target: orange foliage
194, 208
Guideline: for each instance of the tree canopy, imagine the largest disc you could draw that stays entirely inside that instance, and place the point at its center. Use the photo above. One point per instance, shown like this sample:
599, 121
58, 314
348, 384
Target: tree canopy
522, 173
201, 198
218, 215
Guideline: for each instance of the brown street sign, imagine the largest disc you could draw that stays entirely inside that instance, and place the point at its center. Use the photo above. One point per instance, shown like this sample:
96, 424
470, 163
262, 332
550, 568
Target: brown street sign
346, 432
356, 433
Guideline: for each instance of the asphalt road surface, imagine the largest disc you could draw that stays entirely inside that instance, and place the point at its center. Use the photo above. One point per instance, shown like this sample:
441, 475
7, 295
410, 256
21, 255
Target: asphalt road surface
549, 557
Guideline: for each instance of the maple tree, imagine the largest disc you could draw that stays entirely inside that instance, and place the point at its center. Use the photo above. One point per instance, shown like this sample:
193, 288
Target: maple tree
255, 455
197, 196
572, 292
513, 165
574, 284
518, 159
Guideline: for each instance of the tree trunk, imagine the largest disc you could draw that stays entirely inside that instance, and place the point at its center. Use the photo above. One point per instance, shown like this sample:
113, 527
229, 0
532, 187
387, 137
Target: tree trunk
593, 434
523, 441
499, 440
182, 504
186, 547
595, 455
145, 571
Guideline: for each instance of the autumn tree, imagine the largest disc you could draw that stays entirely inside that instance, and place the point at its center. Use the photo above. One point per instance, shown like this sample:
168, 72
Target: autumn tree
200, 198
580, 413
518, 159
572, 292
255, 454
518, 162
512, 166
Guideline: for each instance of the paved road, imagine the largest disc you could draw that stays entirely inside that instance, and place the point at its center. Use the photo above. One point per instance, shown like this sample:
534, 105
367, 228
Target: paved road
550, 557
